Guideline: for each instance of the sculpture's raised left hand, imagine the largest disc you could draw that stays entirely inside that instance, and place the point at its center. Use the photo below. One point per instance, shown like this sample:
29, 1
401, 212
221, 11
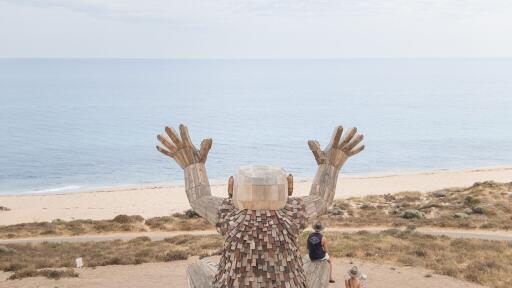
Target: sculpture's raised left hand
339, 149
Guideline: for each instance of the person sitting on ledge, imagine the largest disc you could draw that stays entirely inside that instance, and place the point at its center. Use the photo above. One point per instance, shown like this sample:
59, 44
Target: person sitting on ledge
317, 247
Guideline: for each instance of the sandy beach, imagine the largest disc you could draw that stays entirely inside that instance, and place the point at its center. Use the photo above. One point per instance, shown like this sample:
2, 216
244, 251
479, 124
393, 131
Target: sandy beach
161, 200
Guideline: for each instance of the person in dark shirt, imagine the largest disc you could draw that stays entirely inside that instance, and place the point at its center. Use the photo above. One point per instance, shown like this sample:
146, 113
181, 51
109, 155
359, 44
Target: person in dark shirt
317, 247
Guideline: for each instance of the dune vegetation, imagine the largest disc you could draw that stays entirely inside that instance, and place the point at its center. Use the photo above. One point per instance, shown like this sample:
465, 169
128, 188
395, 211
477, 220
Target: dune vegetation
480, 261
27, 260
185, 221
484, 205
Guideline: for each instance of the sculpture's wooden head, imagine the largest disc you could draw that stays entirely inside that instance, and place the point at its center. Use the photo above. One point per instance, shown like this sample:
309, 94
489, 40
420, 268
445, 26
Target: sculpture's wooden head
260, 188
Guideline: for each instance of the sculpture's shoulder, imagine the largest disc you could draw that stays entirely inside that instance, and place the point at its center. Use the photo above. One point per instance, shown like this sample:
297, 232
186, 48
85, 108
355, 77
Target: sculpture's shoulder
225, 213
295, 208
226, 206
295, 204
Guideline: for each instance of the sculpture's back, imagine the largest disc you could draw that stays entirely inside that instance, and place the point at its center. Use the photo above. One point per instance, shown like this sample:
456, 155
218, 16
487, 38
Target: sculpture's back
261, 248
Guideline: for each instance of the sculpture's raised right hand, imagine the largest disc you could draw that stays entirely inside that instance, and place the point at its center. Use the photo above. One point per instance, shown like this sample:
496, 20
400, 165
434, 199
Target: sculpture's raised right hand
339, 149
181, 149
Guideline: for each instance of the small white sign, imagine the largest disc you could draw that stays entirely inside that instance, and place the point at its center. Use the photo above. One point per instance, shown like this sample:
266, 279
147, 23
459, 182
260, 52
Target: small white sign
79, 262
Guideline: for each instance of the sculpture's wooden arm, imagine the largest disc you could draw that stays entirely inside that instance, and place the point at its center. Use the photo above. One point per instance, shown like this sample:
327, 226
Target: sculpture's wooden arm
192, 160
322, 191
199, 193
330, 161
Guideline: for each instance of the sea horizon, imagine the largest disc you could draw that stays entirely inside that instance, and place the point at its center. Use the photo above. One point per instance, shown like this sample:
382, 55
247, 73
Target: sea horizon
265, 58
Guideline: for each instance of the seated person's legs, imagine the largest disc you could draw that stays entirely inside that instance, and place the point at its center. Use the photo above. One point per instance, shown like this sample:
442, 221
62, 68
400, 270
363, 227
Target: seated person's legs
317, 273
200, 274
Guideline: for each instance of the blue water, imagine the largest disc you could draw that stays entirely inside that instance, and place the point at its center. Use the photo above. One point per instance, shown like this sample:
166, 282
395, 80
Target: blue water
67, 124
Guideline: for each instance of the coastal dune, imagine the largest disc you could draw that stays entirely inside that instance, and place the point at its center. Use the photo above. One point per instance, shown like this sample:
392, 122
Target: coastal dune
162, 200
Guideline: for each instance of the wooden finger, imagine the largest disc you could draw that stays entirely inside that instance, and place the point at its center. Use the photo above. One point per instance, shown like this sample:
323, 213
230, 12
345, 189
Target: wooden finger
231, 185
174, 137
290, 184
163, 151
356, 150
206, 145
348, 136
356, 140
167, 144
185, 136
314, 146
336, 135
181, 159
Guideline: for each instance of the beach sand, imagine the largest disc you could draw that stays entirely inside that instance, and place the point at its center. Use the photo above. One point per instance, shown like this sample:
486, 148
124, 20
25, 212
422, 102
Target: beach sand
173, 274
161, 200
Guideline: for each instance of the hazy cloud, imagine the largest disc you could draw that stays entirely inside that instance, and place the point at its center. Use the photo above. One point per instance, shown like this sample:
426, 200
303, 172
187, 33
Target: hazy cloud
127, 10
256, 28
173, 9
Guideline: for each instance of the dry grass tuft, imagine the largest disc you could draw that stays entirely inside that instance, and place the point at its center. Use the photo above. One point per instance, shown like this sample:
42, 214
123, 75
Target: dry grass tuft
48, 273
175, 255
177, 223
125, 219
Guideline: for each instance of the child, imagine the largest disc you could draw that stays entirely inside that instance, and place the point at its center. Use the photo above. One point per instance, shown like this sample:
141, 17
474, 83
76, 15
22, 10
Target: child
354, 280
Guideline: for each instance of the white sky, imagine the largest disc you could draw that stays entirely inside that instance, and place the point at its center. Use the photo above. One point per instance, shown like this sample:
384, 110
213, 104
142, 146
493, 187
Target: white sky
255, 28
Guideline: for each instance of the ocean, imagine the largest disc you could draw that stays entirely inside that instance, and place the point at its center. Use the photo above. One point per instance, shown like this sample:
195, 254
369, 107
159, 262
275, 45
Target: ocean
78, 124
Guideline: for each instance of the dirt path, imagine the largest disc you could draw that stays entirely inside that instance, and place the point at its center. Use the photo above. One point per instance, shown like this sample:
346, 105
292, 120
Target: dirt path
155, 236
159, 275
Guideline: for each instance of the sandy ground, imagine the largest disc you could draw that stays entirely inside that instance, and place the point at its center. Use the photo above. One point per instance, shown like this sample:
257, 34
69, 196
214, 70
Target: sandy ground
164, 200
172, 274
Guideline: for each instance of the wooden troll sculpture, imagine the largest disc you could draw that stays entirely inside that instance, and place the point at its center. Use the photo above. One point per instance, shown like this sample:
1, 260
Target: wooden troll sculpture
259, 221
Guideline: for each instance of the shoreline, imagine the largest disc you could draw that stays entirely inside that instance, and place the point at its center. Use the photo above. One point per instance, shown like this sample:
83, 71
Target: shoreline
219, 182
164, 199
